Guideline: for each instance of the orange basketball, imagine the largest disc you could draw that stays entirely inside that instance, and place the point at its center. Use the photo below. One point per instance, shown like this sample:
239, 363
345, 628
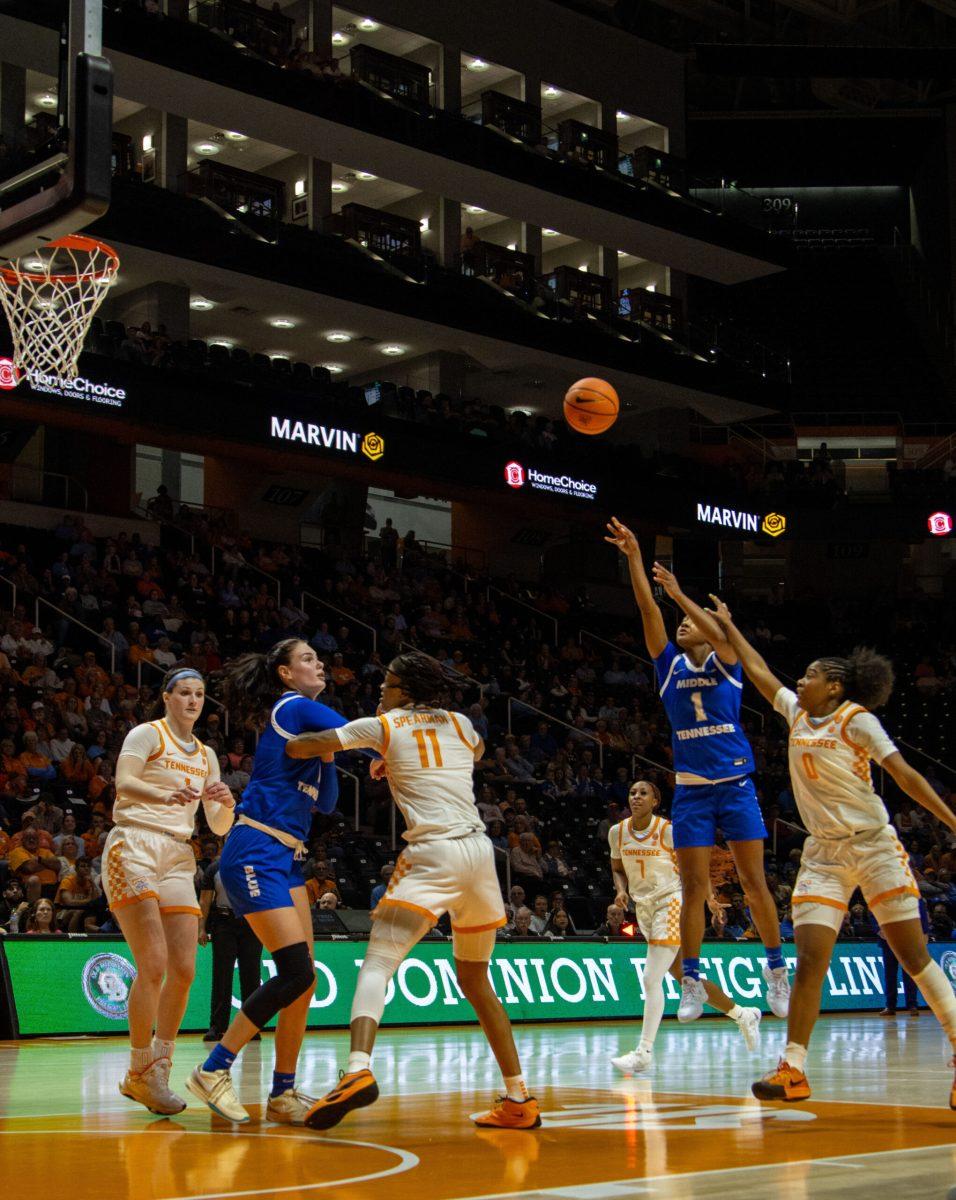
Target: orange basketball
591, 406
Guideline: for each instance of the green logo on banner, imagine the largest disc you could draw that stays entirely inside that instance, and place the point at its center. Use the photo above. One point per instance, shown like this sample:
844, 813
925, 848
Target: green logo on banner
106, 980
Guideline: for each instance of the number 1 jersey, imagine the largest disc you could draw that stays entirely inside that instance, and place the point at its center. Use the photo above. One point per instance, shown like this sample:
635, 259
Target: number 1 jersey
703, 707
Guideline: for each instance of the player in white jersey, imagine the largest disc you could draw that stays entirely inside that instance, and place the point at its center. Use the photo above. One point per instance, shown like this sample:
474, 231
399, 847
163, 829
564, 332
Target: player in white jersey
162, 774
833, 738
644, 870
448, 866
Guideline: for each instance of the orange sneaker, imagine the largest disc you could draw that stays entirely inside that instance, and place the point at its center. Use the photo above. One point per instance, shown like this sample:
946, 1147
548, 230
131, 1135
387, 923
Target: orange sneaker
785, 1083
511, 1114
356, 1090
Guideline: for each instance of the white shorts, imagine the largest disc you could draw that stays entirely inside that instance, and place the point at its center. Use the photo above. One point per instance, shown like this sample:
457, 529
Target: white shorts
831, 869
139, 864
455, 875
660, 922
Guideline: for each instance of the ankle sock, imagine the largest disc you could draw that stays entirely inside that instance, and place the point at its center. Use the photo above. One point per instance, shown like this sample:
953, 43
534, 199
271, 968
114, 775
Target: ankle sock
515, 1088
358, 1061
162, 1049
139, 1060
220, 1059
736, 1013
282, 1081
691, 967
796, 1056
774, 957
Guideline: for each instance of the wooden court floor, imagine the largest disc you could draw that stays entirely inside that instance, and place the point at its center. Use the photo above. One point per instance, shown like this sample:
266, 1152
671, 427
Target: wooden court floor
878, 1124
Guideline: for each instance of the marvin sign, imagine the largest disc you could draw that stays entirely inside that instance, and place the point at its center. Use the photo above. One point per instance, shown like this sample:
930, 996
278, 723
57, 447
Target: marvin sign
773, 524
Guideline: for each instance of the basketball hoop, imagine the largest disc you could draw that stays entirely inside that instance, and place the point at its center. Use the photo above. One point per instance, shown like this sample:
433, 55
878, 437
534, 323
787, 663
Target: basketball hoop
50, 298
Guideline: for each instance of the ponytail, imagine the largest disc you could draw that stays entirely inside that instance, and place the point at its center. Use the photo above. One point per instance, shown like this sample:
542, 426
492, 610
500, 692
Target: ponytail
866, 677
252, 681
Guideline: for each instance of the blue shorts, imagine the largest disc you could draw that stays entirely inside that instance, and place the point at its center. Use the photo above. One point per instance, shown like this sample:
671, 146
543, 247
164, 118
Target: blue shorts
257, 871
699, 810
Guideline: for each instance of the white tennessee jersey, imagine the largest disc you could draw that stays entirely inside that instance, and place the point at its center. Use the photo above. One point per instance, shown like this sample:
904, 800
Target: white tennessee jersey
169, 764
830, 766
430, 758
650, 863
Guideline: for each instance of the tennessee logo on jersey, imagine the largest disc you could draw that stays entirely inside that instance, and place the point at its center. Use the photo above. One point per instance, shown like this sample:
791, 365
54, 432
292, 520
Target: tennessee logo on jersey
703, 707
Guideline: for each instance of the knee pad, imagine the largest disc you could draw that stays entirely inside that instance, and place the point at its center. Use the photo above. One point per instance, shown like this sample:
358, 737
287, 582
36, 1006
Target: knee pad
294, 976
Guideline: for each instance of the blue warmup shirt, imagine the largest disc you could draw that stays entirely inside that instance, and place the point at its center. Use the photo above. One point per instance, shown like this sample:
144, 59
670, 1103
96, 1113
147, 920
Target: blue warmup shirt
284, 792
703, 707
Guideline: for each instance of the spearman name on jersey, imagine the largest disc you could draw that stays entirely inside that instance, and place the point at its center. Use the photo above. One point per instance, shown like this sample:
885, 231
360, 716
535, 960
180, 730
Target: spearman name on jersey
703, 707
283, 791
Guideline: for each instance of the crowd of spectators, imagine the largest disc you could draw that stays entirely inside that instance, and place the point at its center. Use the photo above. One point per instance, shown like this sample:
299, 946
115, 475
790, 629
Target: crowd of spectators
568, 722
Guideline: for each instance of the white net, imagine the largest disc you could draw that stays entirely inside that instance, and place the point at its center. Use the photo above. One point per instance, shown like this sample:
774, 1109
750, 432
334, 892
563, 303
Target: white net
50, 298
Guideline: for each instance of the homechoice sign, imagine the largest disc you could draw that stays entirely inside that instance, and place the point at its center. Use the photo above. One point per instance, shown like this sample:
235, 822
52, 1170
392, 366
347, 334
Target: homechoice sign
516, 476
77, 387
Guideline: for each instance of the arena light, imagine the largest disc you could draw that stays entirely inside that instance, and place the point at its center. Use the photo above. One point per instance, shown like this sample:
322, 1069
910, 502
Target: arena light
333, 368
550, 233
340, 39
282, 323
339, 185
300, 187
338, 335
233, 136
651, 287
46, 99
392, 350
207, 148
478, 64
425, 225
147, 142
474, 210
622, 254
367, 25
512, 245
365, 176
223, 341
551, 92
201, 304
623, 116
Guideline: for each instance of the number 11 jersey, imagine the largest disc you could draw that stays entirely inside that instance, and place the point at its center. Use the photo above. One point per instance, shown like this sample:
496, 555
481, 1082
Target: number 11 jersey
703, 707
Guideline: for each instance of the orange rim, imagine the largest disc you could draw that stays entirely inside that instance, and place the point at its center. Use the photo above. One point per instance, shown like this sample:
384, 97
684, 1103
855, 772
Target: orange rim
73, 241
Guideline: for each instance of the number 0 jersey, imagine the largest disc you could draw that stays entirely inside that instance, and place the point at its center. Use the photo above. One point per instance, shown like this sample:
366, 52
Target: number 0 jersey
430, 758
650, 863
703, 707
830, 767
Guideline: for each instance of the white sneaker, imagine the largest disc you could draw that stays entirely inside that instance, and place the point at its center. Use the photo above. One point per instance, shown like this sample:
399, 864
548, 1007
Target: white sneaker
289, 1108
778, 990
749, 1025
214, 1088
151, 1089
692, 997
635, 1063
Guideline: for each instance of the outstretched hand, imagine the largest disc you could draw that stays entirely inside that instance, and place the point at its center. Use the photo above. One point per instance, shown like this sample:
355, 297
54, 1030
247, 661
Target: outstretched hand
667, 580
622, 538
720, 612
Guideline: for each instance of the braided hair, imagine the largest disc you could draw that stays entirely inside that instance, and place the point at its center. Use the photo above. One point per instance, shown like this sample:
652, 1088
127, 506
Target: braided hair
252, 681
423, 678
865, 676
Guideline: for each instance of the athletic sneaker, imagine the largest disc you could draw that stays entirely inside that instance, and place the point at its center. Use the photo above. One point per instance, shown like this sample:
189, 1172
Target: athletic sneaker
635, 1063
289, 1108
357, 1089
151, 1089
511, 1114
778, 990
692, 997
749, 1025
214, 1088
785, 1083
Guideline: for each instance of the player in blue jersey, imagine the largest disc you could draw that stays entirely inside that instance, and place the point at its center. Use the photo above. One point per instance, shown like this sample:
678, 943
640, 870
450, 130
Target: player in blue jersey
700, 682
261, 869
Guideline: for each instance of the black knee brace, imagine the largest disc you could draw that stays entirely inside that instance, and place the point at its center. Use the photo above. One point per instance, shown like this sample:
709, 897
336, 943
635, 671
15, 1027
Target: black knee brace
295, 974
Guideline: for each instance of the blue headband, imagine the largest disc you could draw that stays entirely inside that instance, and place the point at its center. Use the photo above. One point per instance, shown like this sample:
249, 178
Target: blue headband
185, 673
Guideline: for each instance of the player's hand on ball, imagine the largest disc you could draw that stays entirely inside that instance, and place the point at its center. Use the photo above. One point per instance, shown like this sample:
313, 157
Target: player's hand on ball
378, 768
219, 792
666, 579
622, 538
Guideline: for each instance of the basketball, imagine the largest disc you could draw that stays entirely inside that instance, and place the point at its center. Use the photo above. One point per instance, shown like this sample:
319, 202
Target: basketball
591, 406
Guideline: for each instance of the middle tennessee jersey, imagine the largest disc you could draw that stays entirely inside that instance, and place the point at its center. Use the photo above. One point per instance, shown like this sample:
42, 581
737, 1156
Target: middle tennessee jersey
703, 707
283, 791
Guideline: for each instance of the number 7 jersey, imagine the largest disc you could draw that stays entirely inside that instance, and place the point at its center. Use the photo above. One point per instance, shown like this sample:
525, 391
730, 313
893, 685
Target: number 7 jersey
430, 756
703, 707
